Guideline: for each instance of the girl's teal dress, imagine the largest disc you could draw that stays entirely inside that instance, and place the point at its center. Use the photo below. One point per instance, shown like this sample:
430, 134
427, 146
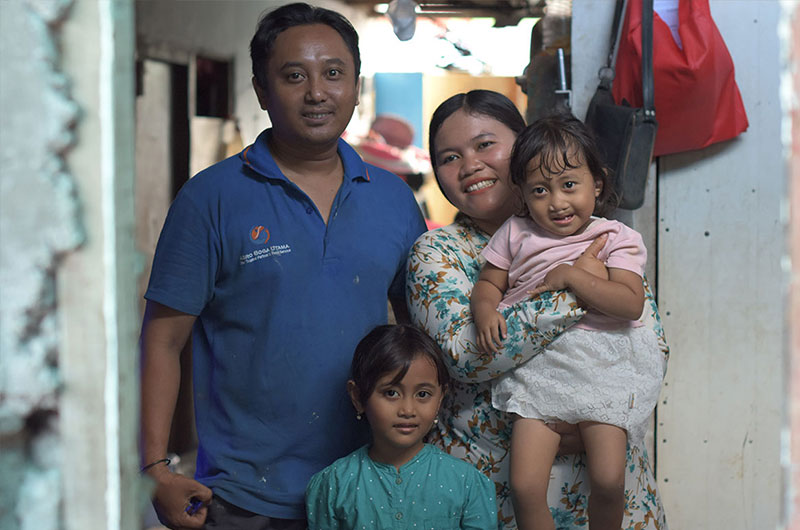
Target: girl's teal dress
432, 491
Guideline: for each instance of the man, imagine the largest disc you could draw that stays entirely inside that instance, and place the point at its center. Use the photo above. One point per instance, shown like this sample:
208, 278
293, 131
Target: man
278, 261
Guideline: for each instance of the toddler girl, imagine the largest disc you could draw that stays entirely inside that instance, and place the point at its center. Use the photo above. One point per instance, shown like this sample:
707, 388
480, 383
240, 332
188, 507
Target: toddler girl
398, 481
605, 372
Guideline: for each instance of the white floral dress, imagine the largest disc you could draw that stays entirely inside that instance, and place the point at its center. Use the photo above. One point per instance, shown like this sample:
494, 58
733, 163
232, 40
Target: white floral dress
443, 266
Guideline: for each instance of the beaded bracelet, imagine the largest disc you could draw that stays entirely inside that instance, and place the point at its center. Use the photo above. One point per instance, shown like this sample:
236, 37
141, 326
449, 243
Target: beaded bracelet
148, 466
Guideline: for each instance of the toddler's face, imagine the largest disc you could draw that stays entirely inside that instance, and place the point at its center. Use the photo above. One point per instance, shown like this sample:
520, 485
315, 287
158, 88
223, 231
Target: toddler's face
561, 203
401, 414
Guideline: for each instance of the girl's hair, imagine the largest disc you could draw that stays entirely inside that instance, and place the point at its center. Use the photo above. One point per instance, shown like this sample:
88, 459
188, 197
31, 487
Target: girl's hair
561, 142
477, 103
389, 348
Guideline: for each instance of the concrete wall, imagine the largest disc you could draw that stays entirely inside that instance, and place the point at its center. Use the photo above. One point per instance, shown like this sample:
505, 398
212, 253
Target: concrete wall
790, 89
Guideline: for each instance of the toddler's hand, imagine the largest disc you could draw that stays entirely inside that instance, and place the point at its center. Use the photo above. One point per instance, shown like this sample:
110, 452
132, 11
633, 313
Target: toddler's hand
490, 331
588, 259
554, 280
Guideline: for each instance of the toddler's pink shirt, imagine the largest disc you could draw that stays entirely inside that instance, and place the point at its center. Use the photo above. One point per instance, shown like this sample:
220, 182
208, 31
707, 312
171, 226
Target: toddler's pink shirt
528, 253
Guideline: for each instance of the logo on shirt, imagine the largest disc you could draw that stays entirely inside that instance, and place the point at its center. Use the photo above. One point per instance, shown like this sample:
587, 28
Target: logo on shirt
259, 234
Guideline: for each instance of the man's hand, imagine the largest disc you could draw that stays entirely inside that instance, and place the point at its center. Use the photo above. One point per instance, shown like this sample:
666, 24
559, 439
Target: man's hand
571, 442
173, 499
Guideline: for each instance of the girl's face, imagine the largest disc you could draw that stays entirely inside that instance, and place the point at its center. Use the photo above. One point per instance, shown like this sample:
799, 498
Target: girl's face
401, 414
472, 155
561, 203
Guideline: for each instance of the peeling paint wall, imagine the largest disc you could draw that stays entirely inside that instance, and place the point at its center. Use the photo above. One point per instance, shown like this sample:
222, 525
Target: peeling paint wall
68, 322
39, 223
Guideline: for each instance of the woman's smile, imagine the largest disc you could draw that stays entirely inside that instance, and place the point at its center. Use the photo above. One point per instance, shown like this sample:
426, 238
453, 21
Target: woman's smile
480, 185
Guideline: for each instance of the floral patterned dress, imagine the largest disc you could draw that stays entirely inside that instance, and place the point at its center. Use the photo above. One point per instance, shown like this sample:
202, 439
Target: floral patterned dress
443, 266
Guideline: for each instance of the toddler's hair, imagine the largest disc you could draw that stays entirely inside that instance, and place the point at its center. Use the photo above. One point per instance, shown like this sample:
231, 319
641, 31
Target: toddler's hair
561, 142
388, 348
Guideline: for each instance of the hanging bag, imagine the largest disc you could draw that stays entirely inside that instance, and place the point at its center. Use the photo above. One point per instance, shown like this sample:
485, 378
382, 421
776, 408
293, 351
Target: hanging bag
696, 95
626, 135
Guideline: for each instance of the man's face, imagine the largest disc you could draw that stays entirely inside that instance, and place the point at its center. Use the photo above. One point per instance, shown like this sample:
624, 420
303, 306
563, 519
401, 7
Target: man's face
312, 87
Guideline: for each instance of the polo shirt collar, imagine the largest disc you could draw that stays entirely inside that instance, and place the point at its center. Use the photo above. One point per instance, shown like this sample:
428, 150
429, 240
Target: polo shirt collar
258, 158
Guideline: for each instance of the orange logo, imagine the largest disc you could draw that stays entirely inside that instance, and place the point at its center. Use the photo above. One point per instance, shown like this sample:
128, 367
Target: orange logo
259, 234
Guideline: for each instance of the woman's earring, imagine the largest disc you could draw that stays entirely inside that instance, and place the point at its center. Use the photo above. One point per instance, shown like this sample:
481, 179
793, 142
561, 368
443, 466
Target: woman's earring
358, 416
436, 421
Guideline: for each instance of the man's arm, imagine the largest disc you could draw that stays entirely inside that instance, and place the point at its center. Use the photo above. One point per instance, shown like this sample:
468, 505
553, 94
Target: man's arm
164, 334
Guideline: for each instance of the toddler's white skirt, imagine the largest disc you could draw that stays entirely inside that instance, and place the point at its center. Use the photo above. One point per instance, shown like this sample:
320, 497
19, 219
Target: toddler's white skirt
611, 377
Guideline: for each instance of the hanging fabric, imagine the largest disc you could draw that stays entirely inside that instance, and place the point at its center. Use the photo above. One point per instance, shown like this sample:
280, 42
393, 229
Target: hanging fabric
696, 94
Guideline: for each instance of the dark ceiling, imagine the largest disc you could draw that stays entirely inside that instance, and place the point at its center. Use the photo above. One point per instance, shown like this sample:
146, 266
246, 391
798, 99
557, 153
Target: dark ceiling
505, 12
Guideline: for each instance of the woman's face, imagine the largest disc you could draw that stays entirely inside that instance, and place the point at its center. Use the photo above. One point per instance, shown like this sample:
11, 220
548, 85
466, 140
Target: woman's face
472, 155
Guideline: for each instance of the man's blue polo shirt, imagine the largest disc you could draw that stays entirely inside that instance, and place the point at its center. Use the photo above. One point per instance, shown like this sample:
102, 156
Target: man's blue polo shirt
282, 299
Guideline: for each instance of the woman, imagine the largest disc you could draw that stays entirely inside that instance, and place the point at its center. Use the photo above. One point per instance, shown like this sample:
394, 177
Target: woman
471, 136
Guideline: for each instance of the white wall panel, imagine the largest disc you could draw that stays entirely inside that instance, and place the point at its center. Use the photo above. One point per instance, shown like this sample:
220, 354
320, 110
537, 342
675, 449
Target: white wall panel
720, 293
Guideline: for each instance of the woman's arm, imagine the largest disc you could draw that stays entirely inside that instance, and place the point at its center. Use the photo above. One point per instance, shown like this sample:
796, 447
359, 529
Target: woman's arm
443, 266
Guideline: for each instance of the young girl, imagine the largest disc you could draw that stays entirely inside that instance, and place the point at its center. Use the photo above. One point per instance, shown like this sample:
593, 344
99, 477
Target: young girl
605, 372
398, 481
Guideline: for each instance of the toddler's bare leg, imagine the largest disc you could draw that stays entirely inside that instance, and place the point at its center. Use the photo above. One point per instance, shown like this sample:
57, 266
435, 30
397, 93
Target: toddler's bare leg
533, 448
605, 453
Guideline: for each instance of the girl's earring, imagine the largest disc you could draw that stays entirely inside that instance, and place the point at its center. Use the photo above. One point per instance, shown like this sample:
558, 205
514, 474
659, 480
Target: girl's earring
436, 421
358, 416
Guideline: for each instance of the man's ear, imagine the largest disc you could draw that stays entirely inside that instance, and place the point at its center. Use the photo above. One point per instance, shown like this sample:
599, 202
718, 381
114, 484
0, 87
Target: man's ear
352, 390
260, 94
358, 91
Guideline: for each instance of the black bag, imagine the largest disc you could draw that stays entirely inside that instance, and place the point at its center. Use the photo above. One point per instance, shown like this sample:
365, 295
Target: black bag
626, 135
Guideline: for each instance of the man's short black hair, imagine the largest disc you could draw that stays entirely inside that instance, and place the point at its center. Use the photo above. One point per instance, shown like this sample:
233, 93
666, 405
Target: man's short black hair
298, 14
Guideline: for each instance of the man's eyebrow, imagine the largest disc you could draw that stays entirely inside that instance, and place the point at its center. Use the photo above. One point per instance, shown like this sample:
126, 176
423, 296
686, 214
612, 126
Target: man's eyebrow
328, 61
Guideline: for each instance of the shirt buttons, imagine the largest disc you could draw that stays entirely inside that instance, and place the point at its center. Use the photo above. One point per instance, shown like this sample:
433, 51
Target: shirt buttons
398, 515
398, 480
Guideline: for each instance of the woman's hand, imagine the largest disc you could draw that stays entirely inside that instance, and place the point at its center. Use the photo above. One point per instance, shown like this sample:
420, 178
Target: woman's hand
571, 442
